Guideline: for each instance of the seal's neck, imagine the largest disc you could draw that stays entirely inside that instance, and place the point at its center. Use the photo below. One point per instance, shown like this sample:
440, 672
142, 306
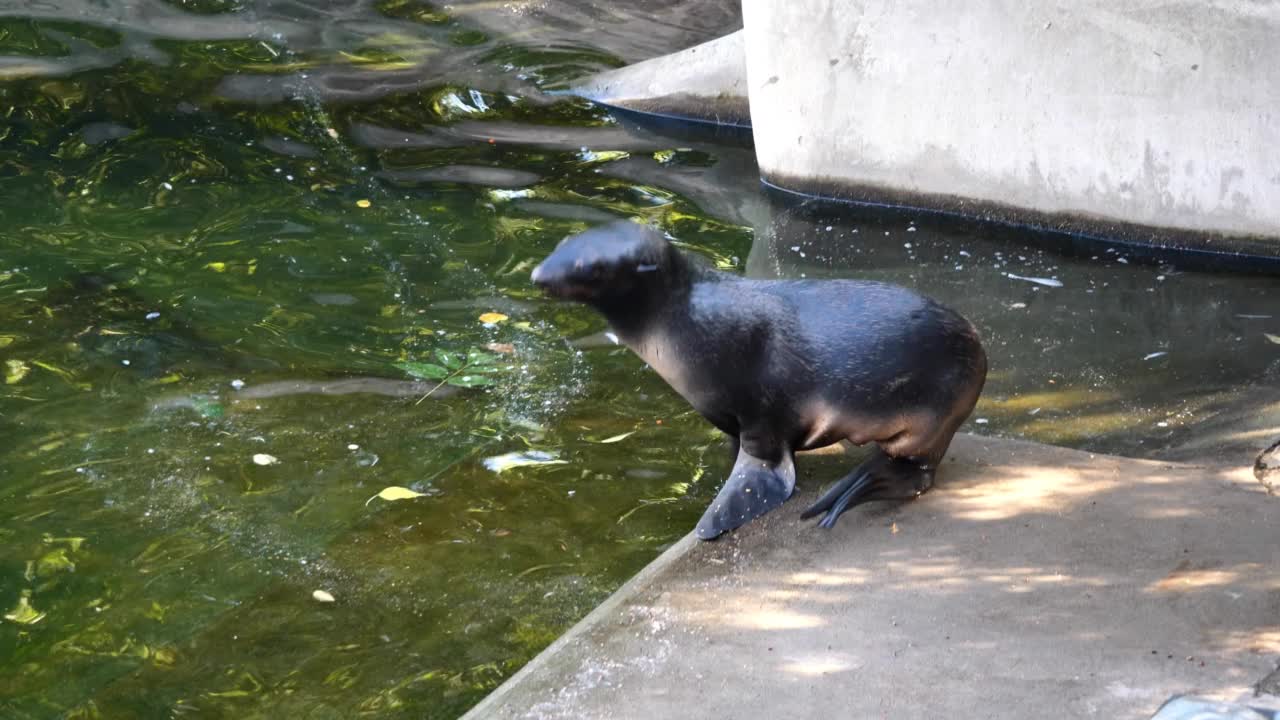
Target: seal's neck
654, 297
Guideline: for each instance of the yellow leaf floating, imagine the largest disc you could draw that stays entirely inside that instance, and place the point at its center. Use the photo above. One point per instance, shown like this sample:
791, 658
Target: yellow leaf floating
490, 318
395, 492
363, 204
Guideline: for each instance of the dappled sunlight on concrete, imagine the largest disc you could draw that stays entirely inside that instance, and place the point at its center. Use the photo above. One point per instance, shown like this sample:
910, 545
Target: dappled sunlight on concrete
1260, 641
1188, 579
750, 613
1028, 573
819, 664
1007, 492
837, 577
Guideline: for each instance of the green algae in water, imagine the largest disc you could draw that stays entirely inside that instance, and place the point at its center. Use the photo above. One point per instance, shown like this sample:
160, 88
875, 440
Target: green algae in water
175, 247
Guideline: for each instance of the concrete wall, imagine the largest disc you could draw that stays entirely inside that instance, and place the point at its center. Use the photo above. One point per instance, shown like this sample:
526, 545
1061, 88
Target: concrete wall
1150, 113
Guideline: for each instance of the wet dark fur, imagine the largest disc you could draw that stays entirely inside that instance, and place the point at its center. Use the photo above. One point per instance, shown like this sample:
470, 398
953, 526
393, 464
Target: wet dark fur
784, 365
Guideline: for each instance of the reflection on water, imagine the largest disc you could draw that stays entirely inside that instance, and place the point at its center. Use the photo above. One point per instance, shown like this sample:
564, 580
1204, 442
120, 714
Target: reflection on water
241, 229
1089, 348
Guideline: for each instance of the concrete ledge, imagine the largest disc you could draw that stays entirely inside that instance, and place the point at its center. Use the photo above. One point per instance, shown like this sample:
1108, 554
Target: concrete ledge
1033, 580
705, 83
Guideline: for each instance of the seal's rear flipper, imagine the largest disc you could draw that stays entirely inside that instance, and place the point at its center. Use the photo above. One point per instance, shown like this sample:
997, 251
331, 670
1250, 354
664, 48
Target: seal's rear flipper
754, 488
881, 477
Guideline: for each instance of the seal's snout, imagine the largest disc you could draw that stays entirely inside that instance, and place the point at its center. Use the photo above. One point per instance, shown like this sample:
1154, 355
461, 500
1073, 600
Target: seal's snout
539, 277
552, 278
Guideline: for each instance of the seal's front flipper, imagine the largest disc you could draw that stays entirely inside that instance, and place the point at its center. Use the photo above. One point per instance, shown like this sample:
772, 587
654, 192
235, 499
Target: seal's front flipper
881, 477
754, 488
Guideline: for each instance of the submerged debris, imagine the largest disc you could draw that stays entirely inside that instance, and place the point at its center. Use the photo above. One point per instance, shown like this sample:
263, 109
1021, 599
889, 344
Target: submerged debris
501, 463
1047, 282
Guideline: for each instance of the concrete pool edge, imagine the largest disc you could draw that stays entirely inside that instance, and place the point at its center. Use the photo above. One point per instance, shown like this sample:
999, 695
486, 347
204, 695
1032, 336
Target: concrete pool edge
593, 619
590, 666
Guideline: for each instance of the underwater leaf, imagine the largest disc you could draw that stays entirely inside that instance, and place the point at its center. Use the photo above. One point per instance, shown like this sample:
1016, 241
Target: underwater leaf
424, 371
505, 462
470, 381
1273, 338
14, 371
363, 203
207, 408
450, 361
395, 492
54, 561
72, 542
23, 613
64, 374
490, 318
616, 438
322, 596
475, 357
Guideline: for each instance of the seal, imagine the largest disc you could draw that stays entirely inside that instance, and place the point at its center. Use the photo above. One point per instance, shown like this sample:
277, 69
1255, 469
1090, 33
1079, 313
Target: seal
783, 365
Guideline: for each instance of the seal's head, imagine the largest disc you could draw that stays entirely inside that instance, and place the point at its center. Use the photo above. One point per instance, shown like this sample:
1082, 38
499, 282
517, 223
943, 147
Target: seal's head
607, 263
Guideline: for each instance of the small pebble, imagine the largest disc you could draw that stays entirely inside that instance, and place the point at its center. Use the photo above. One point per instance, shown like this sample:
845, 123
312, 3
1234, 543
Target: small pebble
322, 596
981, 421
353, 446
237, 384
265, 459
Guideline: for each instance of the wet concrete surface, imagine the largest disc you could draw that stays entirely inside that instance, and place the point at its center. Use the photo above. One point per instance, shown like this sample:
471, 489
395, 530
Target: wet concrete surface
1032, 581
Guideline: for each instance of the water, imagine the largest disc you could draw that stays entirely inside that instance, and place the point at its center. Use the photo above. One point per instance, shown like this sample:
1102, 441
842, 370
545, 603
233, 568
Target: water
213, 210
